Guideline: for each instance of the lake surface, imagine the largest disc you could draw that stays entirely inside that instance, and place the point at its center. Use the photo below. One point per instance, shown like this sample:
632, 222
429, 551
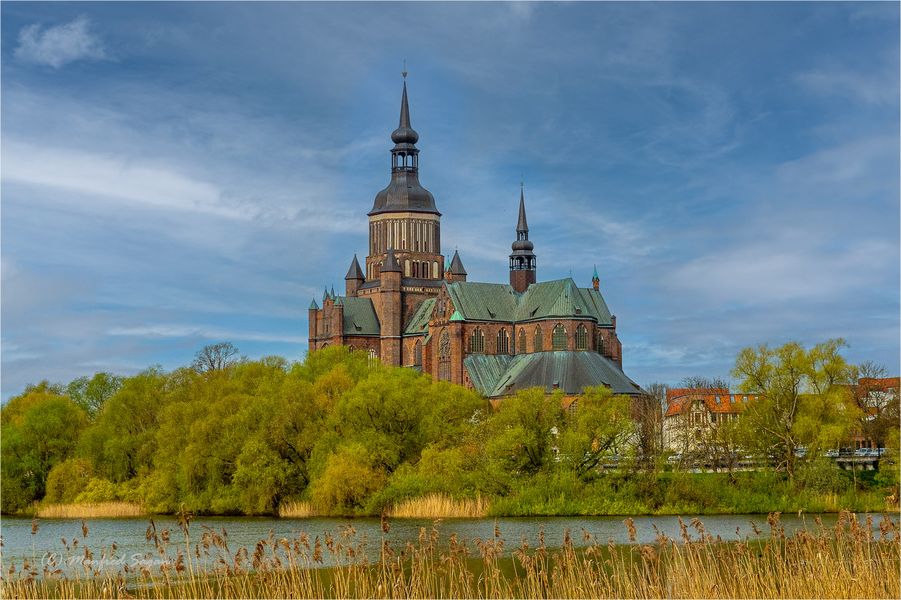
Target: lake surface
129, 535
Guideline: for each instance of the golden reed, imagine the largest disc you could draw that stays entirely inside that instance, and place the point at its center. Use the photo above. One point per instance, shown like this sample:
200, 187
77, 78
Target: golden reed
848, 560
90, 510
295, 510
440, 506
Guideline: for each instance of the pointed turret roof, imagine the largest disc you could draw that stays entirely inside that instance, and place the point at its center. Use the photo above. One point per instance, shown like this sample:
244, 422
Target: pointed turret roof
354, 272
404, 134
456, 265
325, 295
595, 277
332, 293
313, 305
522, 224
390, 264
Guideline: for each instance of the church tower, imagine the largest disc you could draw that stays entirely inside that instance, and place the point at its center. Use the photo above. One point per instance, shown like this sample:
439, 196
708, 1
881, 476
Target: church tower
404, 216
522, 260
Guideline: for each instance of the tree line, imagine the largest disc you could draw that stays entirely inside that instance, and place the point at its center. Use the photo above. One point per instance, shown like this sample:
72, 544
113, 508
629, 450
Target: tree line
227, 435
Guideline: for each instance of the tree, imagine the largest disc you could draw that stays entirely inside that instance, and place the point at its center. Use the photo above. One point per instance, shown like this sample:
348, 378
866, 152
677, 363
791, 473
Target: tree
879, 407
599, 428
519, 433
40, 429
804, 400
699, 382
91, 393
215, 357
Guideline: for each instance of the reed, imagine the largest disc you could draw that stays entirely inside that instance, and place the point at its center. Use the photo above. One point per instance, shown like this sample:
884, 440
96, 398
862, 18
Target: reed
90, 510
440, 506
849, 560
294, 509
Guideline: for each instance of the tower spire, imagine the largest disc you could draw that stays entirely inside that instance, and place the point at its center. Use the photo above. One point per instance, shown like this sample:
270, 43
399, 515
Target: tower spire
595, 280
522, 226
522, 260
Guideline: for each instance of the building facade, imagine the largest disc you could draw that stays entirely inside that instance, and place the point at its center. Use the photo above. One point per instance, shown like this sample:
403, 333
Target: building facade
692, 415
409, 306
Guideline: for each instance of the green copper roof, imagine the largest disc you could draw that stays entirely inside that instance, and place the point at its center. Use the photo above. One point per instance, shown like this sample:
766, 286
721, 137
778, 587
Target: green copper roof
548, 299
313, 305
502, 375
483, 301
359, 316
419, 322
456, 316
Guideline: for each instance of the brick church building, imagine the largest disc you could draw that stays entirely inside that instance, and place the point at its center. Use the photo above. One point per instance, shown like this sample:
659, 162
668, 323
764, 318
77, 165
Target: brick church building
408, 306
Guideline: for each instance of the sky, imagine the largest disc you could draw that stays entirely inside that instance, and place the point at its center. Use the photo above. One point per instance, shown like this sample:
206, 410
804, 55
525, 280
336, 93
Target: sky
179, 174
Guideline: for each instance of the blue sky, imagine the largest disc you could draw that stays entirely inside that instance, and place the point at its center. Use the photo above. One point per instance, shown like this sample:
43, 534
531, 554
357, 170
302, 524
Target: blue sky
180, 174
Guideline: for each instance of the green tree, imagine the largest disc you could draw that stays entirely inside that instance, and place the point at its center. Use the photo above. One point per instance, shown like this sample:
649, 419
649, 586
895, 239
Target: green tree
520, 434
68, 479
122, 439
599, 427
805, 401
91, 393
40, 429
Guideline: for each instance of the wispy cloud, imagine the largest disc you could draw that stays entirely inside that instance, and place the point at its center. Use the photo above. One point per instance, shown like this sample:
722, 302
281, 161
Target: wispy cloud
59, 45
878, 89
193, 331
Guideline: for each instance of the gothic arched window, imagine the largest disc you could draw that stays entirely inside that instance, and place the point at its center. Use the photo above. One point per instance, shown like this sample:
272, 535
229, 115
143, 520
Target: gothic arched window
444, 357
477, 341
581, 338
600, 343
417, 353
558, 337
538, 342
521, 344
503, 341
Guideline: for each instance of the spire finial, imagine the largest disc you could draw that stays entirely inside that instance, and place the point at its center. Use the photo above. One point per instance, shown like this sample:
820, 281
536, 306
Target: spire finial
404, 72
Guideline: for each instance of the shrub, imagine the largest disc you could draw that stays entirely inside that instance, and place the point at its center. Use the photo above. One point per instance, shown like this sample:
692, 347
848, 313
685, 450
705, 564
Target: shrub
68, 479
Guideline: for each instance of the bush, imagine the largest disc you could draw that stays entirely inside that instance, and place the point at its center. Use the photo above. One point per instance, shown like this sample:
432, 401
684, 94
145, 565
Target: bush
821, 475
98, 490
67, 480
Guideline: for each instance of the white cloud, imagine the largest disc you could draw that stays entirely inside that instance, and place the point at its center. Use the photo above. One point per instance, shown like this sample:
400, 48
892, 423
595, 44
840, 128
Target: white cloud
110, 177
878, 89
59, 45
190, 331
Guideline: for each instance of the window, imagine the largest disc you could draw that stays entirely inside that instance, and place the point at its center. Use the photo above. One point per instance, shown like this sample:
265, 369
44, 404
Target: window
477, 341
417, 353
539, 344
558, 337
373, 357
503, 341
600, 343
581, 338
521, 344
444, 357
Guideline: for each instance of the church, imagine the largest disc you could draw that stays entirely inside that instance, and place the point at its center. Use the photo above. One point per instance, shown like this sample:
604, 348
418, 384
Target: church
408, 306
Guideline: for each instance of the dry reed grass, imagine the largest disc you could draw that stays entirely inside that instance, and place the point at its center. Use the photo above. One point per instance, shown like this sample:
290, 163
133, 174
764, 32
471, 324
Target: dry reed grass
849, 560
90, 510
296, 510
440, 506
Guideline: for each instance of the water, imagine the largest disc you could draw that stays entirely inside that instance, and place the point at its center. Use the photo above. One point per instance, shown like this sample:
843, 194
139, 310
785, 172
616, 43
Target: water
132, 547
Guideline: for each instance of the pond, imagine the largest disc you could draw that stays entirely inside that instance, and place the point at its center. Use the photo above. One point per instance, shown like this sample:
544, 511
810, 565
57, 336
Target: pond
132, 546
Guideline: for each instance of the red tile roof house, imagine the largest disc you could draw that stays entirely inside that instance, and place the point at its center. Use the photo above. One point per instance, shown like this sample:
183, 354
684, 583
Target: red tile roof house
691, 413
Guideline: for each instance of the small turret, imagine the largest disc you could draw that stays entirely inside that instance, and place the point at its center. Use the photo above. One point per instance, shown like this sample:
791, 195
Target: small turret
595, 280
455, 270
354, 278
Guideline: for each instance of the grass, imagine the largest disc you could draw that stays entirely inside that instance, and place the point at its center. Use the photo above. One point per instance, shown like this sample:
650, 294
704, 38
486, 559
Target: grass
296, 510
90, 510
849, 560
440, 506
